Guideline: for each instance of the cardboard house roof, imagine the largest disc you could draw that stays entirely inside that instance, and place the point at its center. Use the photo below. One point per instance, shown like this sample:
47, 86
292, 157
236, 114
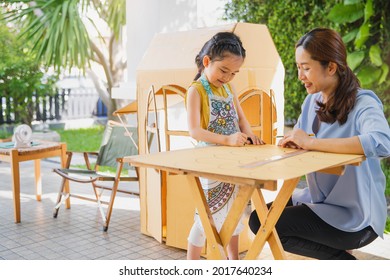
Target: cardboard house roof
132, 107
170, 58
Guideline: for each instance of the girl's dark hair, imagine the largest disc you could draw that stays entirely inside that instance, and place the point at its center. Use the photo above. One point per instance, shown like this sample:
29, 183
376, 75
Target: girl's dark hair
220, 45
325, 45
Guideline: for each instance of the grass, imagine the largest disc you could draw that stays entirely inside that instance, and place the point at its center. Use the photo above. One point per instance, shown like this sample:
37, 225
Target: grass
83, 139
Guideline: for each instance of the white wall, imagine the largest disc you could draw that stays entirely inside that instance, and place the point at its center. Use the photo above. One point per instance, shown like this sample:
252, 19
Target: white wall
145, 18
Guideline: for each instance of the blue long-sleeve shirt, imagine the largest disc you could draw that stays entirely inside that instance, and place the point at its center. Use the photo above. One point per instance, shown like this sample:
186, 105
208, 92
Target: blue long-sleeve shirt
356, 199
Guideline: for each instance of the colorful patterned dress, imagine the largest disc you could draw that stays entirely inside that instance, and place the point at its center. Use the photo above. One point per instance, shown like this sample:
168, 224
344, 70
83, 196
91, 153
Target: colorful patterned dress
223, 119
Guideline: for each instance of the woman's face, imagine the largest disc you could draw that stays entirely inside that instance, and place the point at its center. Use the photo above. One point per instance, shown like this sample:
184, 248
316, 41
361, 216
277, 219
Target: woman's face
314, 76
219, 72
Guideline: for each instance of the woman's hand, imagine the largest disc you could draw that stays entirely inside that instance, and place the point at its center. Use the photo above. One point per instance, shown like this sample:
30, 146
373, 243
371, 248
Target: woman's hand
237, 139
296, 139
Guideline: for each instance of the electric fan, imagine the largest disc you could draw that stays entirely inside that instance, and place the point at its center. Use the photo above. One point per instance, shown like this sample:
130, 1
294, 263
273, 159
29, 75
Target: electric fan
22, 136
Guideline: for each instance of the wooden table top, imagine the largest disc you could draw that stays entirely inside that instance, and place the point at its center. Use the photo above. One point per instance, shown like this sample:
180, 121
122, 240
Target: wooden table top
38, 146
229, 162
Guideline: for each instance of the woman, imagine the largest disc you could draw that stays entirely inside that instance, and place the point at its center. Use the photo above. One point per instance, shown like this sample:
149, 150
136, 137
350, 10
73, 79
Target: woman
335, 214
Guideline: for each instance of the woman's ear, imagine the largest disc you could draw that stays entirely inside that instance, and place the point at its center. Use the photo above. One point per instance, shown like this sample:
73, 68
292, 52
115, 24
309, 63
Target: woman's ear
332, 68
206, 61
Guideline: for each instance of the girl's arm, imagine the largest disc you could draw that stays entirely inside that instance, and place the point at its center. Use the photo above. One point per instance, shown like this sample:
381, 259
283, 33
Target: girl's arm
200, 134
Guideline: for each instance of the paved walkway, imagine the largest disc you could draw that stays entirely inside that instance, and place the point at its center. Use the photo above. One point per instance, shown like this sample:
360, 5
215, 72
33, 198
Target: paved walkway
77, 233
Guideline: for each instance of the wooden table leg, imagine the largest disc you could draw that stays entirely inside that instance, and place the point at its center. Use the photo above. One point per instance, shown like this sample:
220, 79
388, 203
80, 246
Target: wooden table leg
65, 163
15, 184
243, 196
273, 239
38, 179
268, 219
215, 249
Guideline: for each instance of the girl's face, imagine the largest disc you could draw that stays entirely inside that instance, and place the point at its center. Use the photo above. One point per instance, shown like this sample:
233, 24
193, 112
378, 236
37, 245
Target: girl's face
219, 72
315, 76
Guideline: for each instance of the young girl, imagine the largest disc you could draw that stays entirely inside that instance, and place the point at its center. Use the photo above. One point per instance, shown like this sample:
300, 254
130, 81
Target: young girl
215, 117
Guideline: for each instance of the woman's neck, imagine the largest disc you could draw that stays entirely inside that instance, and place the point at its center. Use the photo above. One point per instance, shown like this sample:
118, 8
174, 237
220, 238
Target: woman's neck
329, 90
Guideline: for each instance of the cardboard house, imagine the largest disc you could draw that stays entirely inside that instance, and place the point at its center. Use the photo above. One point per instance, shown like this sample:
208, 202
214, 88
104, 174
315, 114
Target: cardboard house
166, 207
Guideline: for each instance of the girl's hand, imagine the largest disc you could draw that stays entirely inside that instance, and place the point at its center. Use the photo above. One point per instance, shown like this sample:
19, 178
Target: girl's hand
237, 139
253, 139
296, 139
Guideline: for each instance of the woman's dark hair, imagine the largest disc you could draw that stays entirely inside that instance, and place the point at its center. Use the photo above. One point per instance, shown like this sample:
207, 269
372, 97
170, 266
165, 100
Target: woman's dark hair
325, 45
219, 46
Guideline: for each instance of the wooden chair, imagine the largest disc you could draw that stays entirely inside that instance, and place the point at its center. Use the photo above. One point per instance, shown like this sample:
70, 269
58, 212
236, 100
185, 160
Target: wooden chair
260, 108
118, 141
177, 95
151, 120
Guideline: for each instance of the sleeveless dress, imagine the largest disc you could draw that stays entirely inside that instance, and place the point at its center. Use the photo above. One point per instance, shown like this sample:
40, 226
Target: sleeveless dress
223, 119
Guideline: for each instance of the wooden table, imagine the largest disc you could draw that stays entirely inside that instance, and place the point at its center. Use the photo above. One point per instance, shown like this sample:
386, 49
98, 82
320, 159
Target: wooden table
14, 156
230, 164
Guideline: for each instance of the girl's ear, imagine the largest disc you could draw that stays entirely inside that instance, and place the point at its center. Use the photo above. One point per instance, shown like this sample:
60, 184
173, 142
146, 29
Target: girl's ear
206, 61
332, 68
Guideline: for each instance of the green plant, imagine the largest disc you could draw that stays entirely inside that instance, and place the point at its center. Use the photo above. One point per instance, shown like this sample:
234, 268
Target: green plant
5, 134
287, 21
366, 29
57, 29
386, 170
22, 80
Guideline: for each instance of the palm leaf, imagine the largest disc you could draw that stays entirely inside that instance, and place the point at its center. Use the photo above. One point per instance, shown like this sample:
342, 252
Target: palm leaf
58, 34
116, 15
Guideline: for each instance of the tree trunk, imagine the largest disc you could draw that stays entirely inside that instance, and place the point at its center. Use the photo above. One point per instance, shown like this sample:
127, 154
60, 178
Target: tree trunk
114, 71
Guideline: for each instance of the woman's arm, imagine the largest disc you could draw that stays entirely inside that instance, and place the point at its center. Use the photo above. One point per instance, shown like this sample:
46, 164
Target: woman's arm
371, 128
299, 139
200, 134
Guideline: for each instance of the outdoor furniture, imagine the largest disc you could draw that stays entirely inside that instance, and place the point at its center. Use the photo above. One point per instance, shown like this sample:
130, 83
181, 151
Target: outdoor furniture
259, 107
172, 132
253, 168
40, 149
118, 141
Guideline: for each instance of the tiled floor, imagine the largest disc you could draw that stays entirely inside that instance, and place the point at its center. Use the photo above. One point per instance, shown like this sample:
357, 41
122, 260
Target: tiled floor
77, 233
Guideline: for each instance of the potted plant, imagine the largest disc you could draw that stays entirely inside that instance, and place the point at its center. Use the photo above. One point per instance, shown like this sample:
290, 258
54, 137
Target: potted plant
5, 136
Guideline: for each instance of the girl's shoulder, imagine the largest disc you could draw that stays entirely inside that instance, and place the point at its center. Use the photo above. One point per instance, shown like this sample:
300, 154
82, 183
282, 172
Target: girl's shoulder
199, 87
196, 84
